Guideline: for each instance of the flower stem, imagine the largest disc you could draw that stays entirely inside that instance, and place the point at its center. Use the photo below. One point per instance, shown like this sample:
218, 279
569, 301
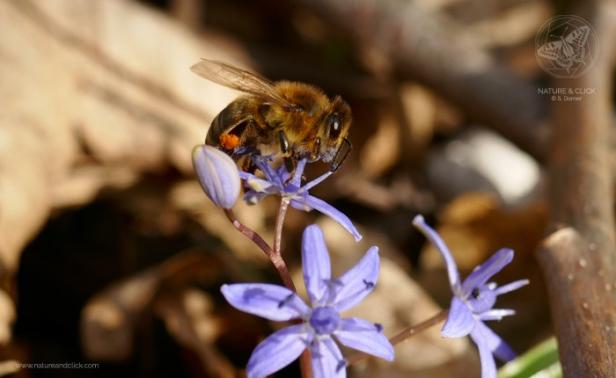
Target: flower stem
282, 212
403, 335
275, 258
305, 364
249, 233
305, 360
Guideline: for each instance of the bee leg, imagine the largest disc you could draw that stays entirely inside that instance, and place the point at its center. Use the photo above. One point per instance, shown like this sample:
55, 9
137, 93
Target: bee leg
245, 164
284, 148
289, 164
284, 142
316, 150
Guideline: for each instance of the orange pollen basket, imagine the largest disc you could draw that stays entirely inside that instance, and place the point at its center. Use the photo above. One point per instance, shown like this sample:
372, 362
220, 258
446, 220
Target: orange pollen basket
229, 141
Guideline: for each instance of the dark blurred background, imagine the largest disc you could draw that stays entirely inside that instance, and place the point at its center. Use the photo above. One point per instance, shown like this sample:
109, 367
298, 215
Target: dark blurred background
111, 253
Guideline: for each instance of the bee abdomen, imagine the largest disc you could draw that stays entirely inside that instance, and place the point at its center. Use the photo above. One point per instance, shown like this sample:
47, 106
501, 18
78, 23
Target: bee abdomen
215, 130
226, 122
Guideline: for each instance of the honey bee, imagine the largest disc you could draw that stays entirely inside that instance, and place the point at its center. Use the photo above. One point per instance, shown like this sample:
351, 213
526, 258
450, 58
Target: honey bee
287, 120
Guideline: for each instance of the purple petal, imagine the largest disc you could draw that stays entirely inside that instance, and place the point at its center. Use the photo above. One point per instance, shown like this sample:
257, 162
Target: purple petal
283, 175
494, 343
327, 360
296, 181
460, 321
268, 301
277, 351
364, 336
217, 174
496, 314
315, 263
441, 247
511, 287
488, 366
359, 281
318, 204
246, 175
481, 299
316, 181
300, 204
252, 197
263, 163
485, 271
257, 184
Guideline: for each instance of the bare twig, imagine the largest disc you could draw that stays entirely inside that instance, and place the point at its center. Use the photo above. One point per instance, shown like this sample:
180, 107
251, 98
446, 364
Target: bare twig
413, 330
579, 259
404, 335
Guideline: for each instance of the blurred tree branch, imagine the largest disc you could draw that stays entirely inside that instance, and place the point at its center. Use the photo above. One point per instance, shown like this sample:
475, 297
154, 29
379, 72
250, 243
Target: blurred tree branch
579, 259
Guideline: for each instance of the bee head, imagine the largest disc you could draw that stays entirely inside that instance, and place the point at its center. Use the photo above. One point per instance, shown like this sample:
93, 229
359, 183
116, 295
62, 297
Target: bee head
334, 129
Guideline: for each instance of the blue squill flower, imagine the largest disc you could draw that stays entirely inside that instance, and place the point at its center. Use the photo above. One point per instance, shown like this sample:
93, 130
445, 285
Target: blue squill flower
278, 181
321, 323
473, 301
217, 174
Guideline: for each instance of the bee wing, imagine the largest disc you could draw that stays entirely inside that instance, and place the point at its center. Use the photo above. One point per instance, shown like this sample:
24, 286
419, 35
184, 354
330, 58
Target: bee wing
238, 79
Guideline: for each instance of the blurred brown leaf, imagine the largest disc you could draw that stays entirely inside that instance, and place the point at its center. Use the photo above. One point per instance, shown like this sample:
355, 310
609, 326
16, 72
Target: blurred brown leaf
188, 317
110, 319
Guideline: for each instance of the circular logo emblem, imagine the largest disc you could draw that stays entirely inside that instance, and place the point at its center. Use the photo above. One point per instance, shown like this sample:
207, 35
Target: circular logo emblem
566, 46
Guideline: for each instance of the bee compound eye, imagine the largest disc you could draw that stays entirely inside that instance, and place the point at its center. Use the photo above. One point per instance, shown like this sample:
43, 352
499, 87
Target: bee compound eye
335, 125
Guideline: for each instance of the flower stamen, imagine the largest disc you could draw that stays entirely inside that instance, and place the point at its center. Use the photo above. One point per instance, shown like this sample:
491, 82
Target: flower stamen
369, 285
341, 365
285, 301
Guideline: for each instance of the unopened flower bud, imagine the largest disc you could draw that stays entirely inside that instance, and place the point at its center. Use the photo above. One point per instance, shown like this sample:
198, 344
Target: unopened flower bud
218, 175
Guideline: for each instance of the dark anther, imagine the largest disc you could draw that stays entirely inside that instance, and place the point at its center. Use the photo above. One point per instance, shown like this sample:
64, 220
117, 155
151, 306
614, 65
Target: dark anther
369, 285
379, 327
317, 149
284, 142
341, 365
285, 301
475, 293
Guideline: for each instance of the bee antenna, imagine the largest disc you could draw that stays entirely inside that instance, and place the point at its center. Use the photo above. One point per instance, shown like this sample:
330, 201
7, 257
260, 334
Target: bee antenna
341, 154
